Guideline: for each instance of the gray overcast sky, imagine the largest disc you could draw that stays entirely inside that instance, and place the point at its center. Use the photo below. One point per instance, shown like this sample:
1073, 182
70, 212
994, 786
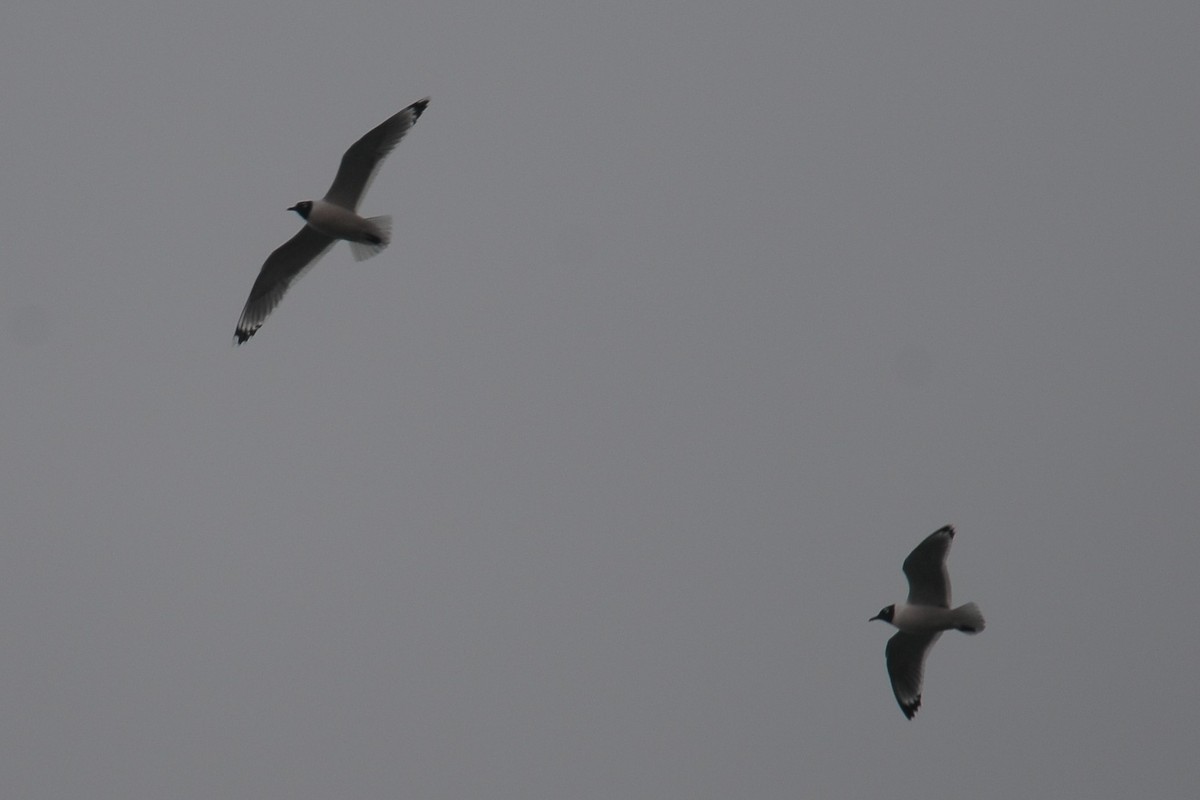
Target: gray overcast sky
698, 318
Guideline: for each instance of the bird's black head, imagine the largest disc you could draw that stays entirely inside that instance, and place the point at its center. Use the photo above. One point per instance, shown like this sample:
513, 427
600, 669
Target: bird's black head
886, 614
302, 208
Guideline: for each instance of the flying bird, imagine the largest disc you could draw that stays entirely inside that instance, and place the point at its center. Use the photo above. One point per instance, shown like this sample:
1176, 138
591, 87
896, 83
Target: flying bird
922, 619
331, 218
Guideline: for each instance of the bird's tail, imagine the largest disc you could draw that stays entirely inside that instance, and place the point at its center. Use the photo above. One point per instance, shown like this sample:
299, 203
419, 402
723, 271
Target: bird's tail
378, 239
968, 618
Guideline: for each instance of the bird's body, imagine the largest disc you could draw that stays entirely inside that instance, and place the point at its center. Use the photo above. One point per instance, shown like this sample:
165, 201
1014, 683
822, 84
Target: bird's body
931, 619
923, 618
327, 220
337, 222
367, 236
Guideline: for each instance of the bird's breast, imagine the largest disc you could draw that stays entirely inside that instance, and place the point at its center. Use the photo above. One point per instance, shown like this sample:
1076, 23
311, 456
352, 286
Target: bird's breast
922, 619
338, 222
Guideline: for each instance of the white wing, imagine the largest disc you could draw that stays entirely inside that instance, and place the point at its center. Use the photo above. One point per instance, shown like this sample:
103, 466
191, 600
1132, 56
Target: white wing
284, 267
362, 160
928, 581
906, 654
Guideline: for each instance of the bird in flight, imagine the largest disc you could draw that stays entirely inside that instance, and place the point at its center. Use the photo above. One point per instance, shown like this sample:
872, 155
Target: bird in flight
331, 218
922, 619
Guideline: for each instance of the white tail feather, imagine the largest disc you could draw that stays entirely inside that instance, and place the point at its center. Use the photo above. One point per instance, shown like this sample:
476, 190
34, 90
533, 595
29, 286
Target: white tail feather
968, 618
383, 229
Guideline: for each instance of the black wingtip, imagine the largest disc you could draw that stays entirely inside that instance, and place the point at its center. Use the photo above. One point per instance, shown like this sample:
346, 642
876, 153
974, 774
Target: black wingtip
947, 529
418, 108
910, 710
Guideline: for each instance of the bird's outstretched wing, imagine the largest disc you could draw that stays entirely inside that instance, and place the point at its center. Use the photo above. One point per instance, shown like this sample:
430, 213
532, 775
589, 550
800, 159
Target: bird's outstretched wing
362, 160
284, 267
906, 654
928, 581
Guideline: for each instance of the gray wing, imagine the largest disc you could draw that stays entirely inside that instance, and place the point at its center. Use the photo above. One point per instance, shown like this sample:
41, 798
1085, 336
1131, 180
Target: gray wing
906, 654
362, 160
282, 268
928, 581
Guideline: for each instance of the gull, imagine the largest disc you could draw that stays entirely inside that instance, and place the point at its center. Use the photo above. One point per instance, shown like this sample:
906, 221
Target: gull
331, 218
923, 618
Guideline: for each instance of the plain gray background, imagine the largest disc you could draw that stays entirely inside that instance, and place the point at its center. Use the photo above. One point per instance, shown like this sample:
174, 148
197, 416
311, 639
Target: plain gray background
699, 316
